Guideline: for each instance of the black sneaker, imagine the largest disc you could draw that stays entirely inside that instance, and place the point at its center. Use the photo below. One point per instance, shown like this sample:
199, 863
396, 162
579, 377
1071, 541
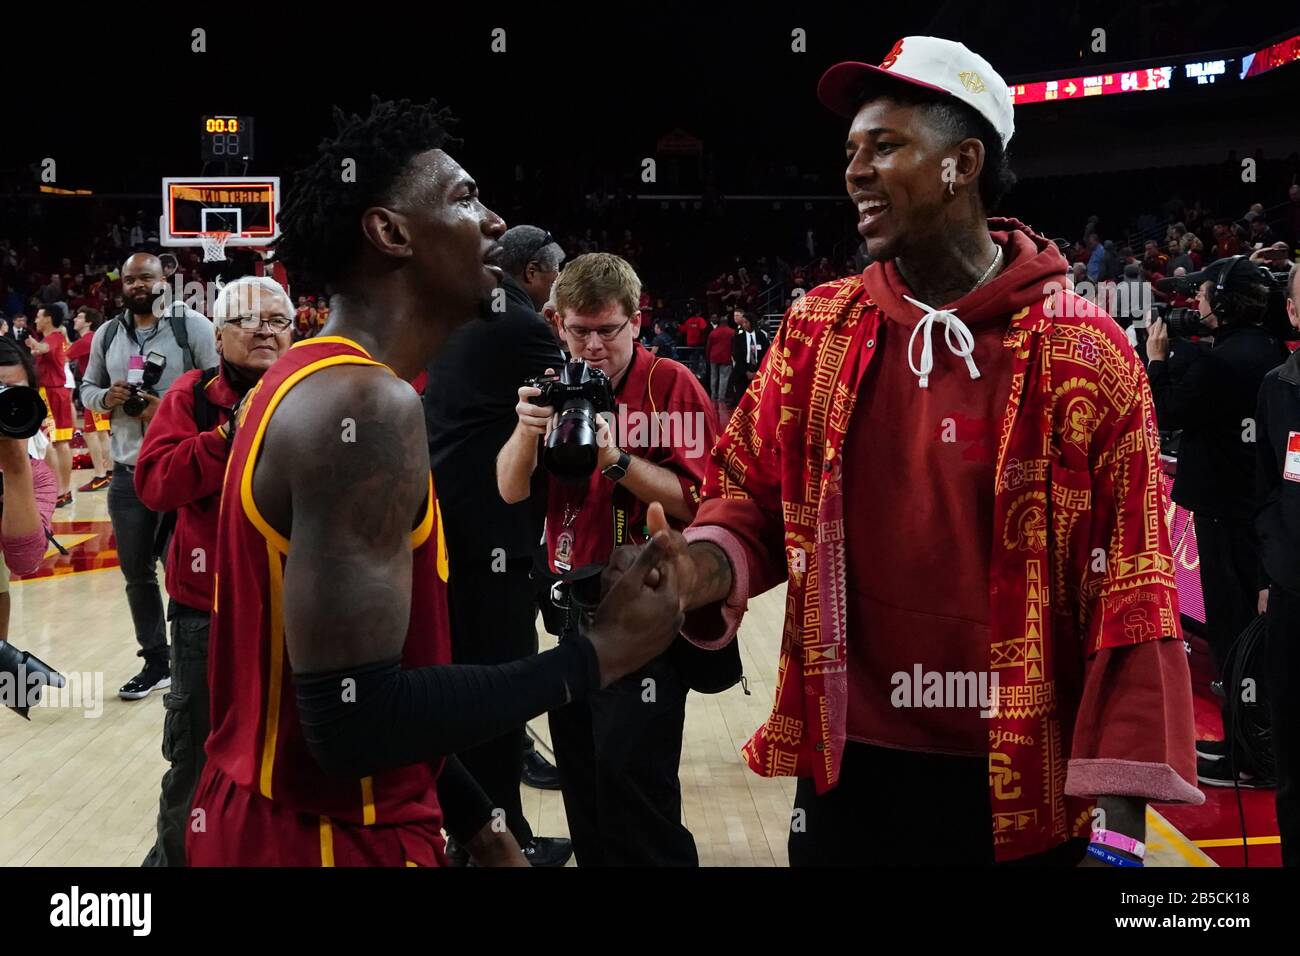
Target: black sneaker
1211, 749
152, 678
548, 851
539, 773
1215, 773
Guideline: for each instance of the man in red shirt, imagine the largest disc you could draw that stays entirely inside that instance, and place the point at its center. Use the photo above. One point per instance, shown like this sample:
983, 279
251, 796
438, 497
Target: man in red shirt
94, 426
618, 752
180, 468
981, 605
718, 352
51, 354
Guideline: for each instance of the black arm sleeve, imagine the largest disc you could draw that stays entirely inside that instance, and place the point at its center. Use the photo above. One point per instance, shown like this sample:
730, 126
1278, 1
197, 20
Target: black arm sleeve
466, 808
378, 717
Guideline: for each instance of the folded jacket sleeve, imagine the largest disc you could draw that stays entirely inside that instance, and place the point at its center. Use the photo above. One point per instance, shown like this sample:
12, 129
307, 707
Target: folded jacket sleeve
742, 510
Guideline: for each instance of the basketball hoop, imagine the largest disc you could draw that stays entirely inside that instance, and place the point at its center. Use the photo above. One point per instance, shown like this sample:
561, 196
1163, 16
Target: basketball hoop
214, 245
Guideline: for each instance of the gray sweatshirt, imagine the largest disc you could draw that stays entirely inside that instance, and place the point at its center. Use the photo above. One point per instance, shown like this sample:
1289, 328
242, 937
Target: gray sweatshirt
104, 370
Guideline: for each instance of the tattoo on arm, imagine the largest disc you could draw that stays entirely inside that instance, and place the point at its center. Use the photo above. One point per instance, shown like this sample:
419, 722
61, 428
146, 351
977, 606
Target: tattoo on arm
714, 576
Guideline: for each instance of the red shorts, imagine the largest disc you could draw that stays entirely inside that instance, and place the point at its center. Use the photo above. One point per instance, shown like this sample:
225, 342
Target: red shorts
240, 828
59, 401
93, 421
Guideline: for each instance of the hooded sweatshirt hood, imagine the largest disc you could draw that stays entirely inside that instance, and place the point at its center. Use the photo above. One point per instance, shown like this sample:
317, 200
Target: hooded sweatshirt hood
1029, 263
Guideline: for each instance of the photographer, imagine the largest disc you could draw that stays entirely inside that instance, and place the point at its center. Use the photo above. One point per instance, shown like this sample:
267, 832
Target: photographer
1212, 400
122, 347
180, 468
1277, 521
28, 489
617, 750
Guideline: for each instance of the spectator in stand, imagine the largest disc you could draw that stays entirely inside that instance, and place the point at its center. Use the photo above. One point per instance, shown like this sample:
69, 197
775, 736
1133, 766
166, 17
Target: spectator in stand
94, 426
1261, 236
51, 355
29, 489
694, 330
733, 294
1096, 253
1291, 217
52, 291
304, 319
719, 355
713, 295
1195, 249
1079, 275
1079, 254
663, 344
1153, 260
646, 305
1180, 256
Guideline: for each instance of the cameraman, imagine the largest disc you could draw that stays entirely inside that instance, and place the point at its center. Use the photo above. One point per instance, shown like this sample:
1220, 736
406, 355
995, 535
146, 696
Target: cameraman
1212, 400
181, 465
1277, 522
618, 750
185, 339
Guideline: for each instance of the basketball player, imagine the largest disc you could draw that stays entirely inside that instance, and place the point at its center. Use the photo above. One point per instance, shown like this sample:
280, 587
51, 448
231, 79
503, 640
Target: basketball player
333, 705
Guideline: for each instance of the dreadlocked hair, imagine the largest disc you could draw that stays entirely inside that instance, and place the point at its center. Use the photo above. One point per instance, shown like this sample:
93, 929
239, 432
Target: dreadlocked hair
320, 235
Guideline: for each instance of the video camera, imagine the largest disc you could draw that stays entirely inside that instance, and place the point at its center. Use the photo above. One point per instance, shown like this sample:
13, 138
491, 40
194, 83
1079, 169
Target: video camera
1227, 275
578, 394
149, 377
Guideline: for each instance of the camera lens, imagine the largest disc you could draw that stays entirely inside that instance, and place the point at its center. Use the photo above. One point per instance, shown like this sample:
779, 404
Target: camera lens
21, 411
571, 451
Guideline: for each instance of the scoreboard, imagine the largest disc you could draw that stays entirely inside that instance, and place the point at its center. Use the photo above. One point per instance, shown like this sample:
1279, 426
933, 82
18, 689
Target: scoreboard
226, 138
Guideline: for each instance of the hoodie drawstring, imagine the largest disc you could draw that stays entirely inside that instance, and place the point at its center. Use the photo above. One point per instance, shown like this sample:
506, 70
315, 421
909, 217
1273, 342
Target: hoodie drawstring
952, 327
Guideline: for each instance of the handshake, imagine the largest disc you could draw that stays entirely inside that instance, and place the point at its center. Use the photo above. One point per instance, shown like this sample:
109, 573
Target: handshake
646, 590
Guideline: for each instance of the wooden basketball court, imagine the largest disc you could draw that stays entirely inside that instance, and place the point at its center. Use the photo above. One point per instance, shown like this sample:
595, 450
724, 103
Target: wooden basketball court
79, 785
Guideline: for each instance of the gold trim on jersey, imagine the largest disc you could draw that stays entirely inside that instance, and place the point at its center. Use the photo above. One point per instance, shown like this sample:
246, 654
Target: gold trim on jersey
276, 575
332, 340
326, 842
280, 542
367, 801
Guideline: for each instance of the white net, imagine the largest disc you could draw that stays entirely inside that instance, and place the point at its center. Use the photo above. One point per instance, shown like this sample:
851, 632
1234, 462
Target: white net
214, 245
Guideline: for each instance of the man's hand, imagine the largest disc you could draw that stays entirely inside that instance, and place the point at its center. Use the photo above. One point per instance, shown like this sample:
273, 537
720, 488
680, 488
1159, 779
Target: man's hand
533, 419
609, 451
116, 395
1157, 340
1262, 606
490, 848
151, 403
641, 612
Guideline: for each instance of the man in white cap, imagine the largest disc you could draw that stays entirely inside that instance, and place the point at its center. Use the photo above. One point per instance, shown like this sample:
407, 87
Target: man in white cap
981, 659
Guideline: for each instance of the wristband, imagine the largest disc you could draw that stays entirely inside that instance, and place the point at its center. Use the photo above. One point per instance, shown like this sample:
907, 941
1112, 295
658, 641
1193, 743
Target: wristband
1119, 841
1111, 859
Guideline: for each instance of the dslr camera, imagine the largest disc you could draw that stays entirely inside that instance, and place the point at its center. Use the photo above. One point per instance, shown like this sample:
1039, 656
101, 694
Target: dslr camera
22, 410
578, 394
1182, 322
149, 378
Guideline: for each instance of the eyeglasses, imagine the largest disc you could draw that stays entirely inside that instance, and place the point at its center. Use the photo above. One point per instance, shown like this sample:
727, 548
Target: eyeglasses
607, 334
251, 323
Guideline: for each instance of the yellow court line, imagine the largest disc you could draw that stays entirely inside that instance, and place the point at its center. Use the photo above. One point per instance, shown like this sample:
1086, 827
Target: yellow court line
1250, 841
1181, 845
69, 542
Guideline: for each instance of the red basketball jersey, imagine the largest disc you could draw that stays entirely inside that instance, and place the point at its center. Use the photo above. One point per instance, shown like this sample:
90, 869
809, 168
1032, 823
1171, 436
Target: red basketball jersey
256, 737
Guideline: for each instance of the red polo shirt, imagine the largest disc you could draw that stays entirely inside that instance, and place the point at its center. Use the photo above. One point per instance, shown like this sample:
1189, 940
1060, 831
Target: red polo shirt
581, 520
181, 469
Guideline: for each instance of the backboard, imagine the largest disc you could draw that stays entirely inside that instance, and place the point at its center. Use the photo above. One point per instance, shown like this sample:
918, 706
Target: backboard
247, 207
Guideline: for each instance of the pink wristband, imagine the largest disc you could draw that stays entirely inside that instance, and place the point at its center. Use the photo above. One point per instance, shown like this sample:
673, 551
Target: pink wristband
1119, 841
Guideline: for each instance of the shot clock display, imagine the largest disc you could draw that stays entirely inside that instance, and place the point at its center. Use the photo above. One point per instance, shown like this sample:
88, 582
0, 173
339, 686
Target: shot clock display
226, 138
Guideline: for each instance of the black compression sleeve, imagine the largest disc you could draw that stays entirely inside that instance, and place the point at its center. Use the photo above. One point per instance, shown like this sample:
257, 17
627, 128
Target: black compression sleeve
466, 808
377, 716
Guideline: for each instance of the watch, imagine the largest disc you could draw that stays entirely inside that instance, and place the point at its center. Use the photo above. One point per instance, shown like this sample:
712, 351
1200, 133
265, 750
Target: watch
618, 471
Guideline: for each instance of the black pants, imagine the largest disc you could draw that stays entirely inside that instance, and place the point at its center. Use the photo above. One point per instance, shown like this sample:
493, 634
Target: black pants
1282, 684
135, 529
904, 808
1229, 569
492, 622
185, 731
618, 752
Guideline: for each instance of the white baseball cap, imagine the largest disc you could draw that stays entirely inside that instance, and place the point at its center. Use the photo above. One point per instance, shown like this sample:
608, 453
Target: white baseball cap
931, 63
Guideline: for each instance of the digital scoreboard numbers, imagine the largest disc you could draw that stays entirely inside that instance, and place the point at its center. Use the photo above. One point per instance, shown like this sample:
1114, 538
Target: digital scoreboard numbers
226, 138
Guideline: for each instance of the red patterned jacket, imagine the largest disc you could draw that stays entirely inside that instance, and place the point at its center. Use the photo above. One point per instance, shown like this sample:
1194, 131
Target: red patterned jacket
1076, 471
